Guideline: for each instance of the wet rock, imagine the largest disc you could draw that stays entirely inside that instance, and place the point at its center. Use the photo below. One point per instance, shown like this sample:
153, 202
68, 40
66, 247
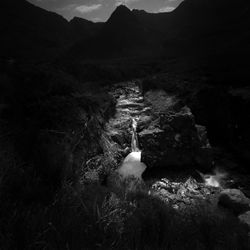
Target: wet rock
129, 106
171, 138
168, 135
144, 122
245, 219
234, 200
183, 194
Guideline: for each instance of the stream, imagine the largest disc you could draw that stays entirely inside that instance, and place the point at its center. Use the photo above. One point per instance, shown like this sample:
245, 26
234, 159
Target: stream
155, 125
163, 145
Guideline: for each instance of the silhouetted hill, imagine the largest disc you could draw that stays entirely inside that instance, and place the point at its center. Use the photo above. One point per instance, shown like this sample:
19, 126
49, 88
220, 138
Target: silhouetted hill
123, 32
198, 29
123, 35
213, 35
83, 28
122, 17
195, 28
197, 22
31, 32
154, 21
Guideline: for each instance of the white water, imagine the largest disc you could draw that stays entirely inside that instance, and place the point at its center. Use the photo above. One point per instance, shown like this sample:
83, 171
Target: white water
134, 141
129, 108
132, 165
215, 179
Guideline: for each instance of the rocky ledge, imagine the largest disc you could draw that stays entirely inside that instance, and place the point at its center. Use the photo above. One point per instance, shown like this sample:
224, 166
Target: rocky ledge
184, 194
192, 195
169, 136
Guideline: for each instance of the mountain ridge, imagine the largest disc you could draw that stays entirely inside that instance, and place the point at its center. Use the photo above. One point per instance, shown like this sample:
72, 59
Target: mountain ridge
190, 28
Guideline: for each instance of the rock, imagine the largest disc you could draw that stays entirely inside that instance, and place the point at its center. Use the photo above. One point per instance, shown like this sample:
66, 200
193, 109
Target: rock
183, 194
245, 219
169, 137
175, 141
183, 120
234, 200
143, 122
117, 136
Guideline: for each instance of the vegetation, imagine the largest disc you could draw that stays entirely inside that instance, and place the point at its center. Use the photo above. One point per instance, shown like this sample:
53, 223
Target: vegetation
93, 217
51, 126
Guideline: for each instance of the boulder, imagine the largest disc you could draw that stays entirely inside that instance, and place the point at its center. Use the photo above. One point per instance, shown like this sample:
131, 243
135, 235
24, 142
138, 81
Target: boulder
245, 219
171, 138
234, 200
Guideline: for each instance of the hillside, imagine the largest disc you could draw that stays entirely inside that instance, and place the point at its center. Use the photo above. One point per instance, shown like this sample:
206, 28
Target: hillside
31, 32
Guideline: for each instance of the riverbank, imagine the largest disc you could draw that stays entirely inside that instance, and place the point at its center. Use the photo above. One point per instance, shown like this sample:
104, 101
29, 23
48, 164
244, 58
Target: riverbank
62, 145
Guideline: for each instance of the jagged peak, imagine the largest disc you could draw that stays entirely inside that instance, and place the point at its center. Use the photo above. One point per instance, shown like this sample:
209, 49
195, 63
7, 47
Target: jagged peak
122, 7
122, 14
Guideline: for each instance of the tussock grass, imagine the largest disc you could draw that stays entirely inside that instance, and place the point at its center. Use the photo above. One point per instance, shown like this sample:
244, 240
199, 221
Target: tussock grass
97, 217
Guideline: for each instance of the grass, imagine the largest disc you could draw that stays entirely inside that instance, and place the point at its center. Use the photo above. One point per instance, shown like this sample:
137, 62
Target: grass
50, 126
95, 217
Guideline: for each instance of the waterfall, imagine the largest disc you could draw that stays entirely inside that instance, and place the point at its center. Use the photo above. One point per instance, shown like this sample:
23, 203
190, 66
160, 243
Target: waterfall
132, 165
134, 140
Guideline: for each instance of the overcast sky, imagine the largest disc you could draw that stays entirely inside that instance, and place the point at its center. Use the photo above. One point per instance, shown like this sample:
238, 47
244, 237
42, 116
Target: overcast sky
100, 10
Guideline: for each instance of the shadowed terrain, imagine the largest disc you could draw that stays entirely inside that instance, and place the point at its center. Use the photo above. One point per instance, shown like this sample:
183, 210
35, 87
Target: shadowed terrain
127, 134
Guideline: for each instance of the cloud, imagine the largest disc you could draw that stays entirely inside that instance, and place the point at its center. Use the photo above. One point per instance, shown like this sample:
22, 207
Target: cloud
166, 9
124, 2
88, 8
67, 7
96, 19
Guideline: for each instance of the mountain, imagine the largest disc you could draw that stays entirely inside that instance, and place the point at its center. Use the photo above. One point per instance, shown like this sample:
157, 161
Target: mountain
122, 17
196, 29
30, 32
83, 29
123, 32
123, 35
200, 20
213, 34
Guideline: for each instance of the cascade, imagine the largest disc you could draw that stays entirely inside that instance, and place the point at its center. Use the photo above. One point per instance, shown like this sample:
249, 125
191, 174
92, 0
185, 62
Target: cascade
132, 165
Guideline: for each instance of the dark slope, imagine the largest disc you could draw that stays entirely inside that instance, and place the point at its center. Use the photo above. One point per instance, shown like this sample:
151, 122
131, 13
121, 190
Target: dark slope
83, 29
124, 31
155, 22
30, 32
123, 35
207, 22
195, 28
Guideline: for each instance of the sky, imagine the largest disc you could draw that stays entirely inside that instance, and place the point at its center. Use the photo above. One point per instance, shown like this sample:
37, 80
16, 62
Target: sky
100, 10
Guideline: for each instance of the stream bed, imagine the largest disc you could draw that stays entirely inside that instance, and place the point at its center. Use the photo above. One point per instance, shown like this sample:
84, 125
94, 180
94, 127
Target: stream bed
172, 145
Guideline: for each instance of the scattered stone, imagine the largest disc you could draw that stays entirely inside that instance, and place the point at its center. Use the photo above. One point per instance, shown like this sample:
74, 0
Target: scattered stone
183, 194
234, 200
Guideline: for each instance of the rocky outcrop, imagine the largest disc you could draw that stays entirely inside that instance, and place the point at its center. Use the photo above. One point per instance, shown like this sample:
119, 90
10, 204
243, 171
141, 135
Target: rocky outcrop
169, 136
183, 194
224, 112
234, 200
245, 219
130, 105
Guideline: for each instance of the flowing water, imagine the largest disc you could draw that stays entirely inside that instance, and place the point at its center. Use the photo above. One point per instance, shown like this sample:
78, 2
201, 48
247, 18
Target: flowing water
130, 106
